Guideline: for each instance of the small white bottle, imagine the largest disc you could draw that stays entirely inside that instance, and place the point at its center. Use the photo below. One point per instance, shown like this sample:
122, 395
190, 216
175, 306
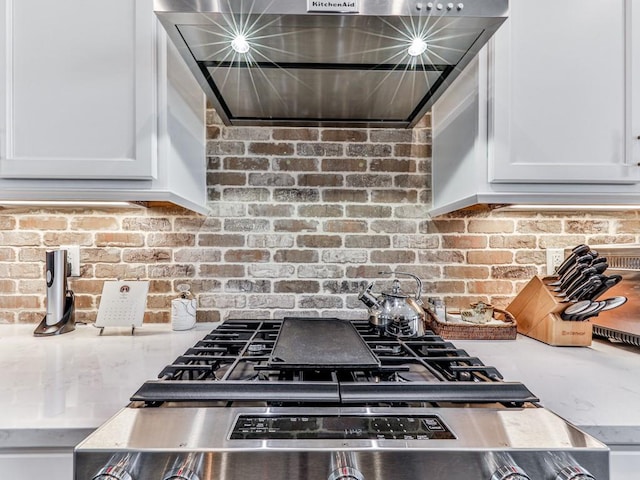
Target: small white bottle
183, 309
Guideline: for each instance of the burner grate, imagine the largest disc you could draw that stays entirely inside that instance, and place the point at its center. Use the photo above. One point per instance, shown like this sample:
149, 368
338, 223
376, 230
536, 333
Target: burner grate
235, 363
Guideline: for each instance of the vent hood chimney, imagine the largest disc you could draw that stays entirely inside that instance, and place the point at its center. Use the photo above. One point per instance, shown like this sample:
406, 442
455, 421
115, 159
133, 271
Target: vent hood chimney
341, 63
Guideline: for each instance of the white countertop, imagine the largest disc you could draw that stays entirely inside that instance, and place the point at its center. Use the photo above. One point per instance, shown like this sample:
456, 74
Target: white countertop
56, 390
596, 388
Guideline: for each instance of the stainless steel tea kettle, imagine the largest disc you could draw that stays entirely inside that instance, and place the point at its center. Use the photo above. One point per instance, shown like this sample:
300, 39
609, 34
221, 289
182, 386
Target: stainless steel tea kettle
396, 313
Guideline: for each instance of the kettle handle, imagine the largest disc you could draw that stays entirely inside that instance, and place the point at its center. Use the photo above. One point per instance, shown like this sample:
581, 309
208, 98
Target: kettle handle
367, 297
415, 277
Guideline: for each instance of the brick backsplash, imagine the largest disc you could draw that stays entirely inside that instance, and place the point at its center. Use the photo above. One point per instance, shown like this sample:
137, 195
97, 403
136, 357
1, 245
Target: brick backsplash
301, 219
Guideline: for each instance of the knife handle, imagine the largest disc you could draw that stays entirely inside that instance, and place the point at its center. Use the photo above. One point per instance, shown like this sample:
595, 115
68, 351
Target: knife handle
606, 285
587, 293
579, 293
573, 273
570, 260
580, 279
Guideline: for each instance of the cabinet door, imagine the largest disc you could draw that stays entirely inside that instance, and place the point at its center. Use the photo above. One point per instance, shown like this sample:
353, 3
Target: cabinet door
31, 464
559, 94
625, 464
76, 89
633, 85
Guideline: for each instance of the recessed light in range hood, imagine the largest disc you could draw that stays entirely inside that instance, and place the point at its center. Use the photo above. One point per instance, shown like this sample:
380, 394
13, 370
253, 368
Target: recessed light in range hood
366, 63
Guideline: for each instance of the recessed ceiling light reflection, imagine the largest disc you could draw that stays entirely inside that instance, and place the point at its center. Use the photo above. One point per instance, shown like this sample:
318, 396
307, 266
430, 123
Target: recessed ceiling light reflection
240, 44
417, 47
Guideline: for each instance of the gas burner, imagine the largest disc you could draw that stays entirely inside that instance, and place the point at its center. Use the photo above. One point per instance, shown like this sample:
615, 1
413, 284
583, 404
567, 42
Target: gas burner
413, 372
240, 371
386, 349
257, 349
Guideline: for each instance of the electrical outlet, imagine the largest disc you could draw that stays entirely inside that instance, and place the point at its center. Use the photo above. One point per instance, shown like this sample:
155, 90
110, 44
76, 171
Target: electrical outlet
73, 258
555, 257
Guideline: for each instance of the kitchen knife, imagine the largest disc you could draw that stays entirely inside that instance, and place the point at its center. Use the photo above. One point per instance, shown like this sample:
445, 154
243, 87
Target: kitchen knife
583, 276
601, 306
574, 272
600, 263
572, 311
569, 283
579, 284
570, 260
606, 285
570, 272
569, 275
587, 292
580, 292
592, 311
578, 307
613, 302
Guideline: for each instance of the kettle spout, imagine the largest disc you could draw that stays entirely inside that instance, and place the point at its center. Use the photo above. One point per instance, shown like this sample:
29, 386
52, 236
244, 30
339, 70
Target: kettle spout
367, 297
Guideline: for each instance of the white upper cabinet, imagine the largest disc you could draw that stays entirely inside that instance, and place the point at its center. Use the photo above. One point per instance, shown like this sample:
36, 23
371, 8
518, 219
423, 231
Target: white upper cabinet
558, 90
548, 113
96, 105
77, 96
633, 85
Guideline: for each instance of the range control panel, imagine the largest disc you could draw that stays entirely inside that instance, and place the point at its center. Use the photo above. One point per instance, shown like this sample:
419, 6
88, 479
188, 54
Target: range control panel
339, 427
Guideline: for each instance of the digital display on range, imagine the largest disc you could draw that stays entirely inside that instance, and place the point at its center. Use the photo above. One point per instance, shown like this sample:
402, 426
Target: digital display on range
340, 427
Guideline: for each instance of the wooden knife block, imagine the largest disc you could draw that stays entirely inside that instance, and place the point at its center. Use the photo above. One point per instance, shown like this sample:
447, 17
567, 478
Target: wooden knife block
537, 312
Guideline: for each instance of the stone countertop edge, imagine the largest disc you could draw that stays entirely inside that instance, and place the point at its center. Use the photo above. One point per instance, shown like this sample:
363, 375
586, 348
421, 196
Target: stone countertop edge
59, 389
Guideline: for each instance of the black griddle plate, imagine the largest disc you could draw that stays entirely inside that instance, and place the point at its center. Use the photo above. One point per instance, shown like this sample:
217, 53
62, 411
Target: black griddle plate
321, 343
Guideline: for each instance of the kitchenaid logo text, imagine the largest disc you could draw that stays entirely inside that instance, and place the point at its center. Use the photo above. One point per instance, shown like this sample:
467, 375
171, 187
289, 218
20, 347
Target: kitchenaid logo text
329, 6
333, 4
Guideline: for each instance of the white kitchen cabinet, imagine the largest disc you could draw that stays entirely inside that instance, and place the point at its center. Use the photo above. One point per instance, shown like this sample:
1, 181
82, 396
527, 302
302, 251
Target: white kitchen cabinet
77, 90
30, 464
543, 114
558, 94
96, 105
633, 87
624, 463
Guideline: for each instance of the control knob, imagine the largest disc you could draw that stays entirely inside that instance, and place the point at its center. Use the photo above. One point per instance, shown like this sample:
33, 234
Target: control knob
346, 473
112, 472
344, 466
181, 474
574, 472
509, 472
184, 468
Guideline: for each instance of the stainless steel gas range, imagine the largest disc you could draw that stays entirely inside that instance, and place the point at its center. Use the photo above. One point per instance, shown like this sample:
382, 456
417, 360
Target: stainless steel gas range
317, 399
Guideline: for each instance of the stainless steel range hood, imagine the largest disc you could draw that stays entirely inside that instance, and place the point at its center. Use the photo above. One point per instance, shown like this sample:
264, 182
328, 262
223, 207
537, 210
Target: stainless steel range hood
355, 63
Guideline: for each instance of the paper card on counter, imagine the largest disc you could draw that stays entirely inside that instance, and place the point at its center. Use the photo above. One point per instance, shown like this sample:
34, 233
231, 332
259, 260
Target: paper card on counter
122, 304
